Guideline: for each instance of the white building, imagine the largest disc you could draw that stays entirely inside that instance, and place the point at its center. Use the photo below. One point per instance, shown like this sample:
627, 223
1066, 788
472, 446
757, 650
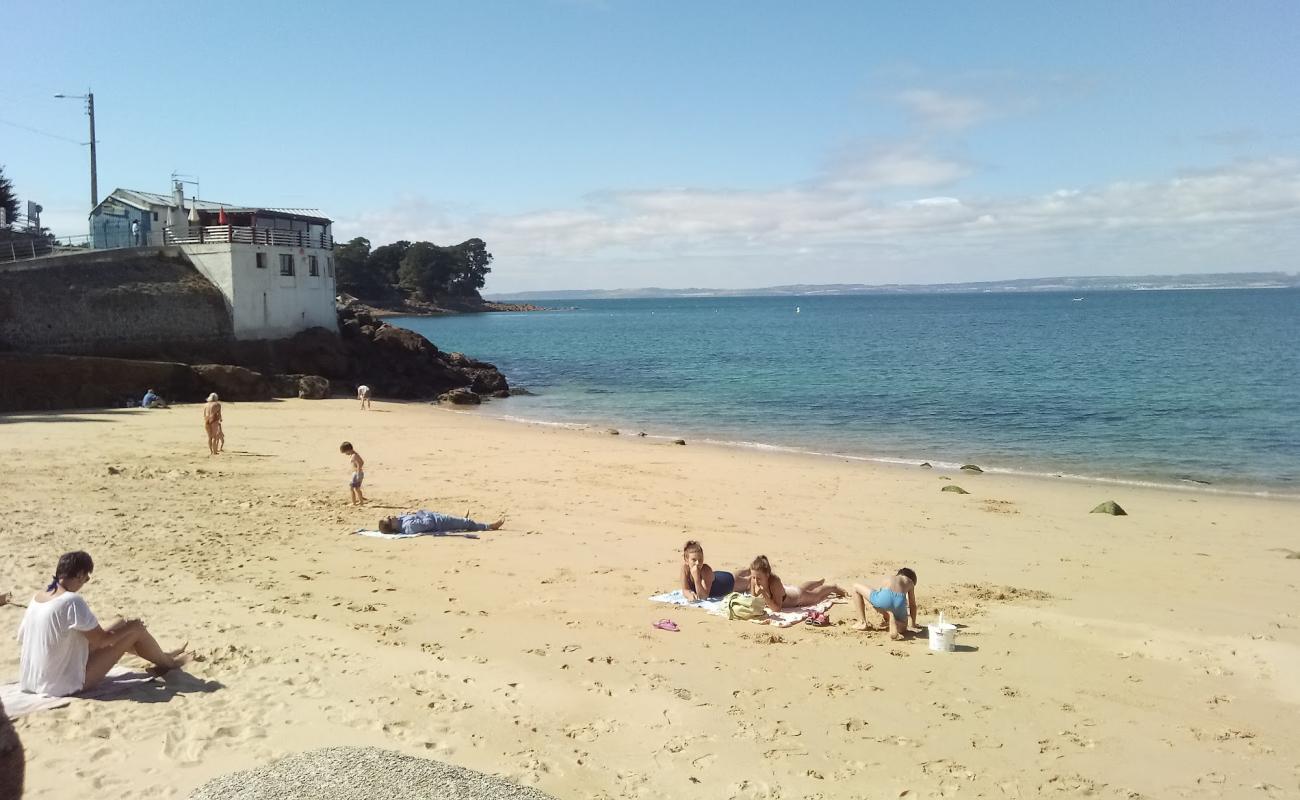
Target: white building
275, 266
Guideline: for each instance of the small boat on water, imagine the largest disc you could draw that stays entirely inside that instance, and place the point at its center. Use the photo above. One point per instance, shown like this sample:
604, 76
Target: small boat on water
1076, 299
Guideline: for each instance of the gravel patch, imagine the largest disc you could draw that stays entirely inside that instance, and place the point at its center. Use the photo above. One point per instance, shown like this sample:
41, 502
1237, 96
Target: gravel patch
361, 773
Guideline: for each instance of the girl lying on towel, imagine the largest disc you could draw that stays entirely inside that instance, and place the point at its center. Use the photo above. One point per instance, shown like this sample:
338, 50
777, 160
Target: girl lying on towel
64, 648
698, 579
777, 595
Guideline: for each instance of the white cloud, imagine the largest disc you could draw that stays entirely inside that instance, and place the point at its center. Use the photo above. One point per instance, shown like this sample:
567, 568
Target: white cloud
1241, 215
941, 110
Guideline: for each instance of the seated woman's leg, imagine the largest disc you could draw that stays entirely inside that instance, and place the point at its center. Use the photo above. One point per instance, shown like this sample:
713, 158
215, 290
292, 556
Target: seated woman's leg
134, 638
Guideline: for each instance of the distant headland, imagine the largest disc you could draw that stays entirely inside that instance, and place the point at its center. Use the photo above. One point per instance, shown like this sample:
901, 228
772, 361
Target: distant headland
1105, 283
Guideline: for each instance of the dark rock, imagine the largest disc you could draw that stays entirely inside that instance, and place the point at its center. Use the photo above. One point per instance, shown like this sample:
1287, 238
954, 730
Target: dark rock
501, 393
1110, 507
284, 385
233, 383
679, 441
313, 387
460, 397
925, 465
519, 390
955, 489
614, 432
642, 433
42, 382
970, 468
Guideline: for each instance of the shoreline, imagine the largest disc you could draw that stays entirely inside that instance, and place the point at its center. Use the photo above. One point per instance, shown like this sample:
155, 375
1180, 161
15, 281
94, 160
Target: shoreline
1257, 490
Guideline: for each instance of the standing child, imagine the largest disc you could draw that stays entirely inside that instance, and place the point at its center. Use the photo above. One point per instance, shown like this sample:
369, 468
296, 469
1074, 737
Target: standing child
363, 396
894, 597
699, 580
358, 472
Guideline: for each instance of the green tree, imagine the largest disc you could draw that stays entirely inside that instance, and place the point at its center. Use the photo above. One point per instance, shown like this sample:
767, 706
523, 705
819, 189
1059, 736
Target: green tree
425, 270
470, 270
385, 261
8, 200
351, 272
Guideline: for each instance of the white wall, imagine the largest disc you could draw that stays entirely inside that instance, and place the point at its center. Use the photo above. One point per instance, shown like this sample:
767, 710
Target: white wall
264, 304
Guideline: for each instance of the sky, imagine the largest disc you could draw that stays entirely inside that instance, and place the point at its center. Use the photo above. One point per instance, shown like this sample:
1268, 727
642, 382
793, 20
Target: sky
694, 144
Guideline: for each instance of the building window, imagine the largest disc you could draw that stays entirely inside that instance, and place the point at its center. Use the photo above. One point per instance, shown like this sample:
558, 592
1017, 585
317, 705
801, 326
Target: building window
313, 266
261, 260
286, 264
155, 216
329, 265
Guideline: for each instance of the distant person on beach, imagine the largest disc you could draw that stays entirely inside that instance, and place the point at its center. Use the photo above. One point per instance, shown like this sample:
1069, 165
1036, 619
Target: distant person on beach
151, 400
777, 595
65, 649
433, 522
363, 396
358, 472
212, 424
894, 597
699, 580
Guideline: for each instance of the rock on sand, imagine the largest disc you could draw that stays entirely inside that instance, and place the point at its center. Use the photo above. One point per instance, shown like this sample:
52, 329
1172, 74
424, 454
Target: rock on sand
1110, 507
361, 773
954, 488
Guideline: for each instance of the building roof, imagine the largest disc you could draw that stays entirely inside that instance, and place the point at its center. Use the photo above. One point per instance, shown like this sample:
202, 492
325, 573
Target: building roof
145, 200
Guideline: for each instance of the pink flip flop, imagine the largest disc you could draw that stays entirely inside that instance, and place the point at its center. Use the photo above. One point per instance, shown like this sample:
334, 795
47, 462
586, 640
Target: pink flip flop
666, 625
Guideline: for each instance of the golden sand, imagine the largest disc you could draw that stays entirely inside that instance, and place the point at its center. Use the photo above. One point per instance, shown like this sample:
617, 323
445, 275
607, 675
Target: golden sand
1153, 655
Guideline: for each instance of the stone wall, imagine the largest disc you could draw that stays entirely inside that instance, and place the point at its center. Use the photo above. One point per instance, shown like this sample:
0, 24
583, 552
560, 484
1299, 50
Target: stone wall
119, 303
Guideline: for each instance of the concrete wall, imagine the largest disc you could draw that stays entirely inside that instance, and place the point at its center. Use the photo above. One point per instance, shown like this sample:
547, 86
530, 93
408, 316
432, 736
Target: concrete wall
263, 303
120, 302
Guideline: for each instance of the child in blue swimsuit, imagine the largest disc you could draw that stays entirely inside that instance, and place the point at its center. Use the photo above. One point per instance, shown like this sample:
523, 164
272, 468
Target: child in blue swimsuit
894, 597
699, 580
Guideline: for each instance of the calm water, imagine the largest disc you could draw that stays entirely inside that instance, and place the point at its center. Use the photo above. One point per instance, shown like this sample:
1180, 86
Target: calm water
1171, 387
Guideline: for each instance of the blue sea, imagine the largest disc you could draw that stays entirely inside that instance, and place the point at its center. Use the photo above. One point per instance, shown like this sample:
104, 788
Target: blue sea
1185, 388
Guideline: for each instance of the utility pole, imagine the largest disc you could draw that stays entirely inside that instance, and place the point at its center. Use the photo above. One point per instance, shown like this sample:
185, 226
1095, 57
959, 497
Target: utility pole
89, 97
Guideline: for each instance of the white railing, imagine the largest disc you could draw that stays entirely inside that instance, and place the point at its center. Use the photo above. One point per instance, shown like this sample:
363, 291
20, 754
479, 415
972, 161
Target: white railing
213, 234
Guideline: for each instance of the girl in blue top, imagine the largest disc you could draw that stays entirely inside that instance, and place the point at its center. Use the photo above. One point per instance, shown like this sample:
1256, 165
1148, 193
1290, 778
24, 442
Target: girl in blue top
894, 597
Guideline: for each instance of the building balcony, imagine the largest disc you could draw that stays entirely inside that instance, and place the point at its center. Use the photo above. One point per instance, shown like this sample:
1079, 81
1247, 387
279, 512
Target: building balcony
232, 234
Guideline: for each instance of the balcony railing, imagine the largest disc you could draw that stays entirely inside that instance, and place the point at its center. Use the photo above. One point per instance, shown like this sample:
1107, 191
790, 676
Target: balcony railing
215, 234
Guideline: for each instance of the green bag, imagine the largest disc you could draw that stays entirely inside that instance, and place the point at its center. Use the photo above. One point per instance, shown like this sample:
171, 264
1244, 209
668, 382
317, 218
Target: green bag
744, 606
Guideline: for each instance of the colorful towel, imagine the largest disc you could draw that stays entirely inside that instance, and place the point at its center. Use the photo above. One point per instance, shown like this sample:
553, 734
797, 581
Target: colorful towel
120, 680
382, 535
781, 619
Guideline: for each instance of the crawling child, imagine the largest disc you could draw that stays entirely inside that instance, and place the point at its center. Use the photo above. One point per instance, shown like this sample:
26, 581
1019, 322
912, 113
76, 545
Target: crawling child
894, 597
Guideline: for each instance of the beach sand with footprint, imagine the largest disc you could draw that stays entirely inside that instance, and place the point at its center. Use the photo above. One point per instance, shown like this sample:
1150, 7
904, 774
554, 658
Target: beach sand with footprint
1096, 657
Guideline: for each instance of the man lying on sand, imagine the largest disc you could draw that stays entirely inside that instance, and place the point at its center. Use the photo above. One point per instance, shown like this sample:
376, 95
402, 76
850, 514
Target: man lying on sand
894, 597
433, 522
65, 649
777, 595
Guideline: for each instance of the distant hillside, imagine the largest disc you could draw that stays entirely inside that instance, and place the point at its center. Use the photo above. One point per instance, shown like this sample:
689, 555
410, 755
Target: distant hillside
1226, 280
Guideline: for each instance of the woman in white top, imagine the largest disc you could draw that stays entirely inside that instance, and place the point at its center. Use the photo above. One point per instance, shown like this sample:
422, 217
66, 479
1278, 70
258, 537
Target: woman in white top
66, 650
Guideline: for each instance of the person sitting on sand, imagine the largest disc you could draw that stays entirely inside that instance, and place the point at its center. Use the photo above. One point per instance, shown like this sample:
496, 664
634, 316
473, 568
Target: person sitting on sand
778, 596
151, 400
894, 597
363, 396
699, 580
212, 424
64, 648
433, 522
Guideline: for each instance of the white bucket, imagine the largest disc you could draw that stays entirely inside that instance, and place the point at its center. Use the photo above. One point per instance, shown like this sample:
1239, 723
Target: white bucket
943, 637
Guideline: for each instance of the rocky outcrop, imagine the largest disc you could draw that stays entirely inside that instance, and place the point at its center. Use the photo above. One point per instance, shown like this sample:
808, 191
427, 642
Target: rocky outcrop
954, 488
42, 382
971, 468
460, 397
313, 387
233, 383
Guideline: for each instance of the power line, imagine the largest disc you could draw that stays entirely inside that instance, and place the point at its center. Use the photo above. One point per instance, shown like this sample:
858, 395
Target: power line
41, 132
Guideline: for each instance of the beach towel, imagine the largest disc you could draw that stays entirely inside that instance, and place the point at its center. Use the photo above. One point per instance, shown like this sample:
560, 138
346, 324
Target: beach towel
781, 619
120, 680
381, 535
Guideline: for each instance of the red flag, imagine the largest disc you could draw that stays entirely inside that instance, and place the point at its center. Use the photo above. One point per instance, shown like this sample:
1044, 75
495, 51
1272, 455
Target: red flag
221, 217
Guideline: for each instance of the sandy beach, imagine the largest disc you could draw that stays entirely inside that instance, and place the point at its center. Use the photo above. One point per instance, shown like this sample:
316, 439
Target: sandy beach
1154, 655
